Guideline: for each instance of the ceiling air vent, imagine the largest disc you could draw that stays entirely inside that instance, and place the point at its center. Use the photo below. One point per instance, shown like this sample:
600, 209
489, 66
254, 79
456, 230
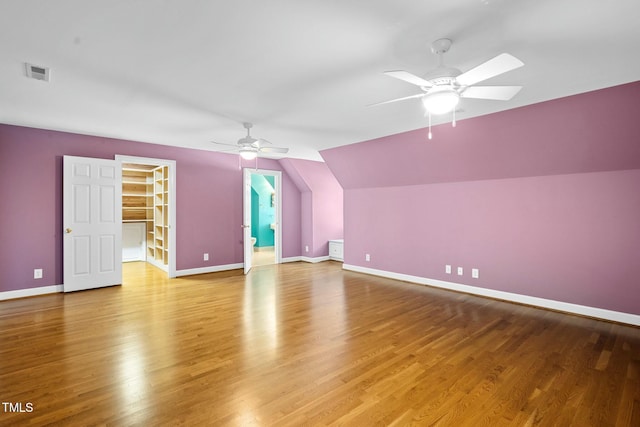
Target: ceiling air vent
37, 72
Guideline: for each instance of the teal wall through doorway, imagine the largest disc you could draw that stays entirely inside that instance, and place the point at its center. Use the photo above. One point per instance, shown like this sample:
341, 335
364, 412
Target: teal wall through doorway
262, 209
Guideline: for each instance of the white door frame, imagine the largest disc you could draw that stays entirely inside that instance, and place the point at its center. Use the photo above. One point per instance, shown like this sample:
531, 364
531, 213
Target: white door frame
172, 201
246, 185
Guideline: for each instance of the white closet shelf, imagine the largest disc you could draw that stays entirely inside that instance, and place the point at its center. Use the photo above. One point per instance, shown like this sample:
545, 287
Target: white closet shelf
145, 200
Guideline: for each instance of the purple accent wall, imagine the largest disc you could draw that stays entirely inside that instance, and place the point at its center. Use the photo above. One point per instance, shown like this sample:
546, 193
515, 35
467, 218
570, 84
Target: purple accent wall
209, 202
592, 132
321, 204
543, 200
572, 238
291, 217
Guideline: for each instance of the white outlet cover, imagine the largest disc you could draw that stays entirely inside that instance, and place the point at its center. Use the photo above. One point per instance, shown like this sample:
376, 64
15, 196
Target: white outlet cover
475, 273
37, 273
306, 248
206, 257
460, 271
447, 269
367, 257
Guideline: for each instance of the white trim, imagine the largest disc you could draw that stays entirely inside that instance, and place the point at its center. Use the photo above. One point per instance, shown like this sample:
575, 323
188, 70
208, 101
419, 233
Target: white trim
292, 259
314, 260
599, 313
30, 292
212, 269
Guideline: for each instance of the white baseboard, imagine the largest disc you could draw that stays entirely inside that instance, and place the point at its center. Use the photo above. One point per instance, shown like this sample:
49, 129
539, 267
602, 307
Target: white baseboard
217, 268
30, 292
599, 313
314, 260
212, 269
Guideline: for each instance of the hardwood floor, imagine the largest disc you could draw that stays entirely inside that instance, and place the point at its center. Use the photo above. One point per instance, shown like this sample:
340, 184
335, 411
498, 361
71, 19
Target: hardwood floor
307, 344
263, 256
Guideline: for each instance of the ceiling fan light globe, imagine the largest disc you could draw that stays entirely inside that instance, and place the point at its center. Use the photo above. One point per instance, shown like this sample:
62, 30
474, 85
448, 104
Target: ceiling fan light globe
441, 101
248, 154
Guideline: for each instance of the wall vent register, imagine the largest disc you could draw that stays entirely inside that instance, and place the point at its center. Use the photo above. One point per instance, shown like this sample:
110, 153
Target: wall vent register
37, 72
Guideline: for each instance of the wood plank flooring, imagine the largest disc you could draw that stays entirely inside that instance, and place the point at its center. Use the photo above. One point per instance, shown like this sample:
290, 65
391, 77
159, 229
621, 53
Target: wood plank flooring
307, 344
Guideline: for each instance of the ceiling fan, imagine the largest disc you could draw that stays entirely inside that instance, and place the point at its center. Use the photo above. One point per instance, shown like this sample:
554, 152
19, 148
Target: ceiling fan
443, 86
249, 147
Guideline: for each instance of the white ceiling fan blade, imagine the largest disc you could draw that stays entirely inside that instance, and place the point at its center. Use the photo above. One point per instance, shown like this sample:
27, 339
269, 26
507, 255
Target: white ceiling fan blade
249, 147
493, 67
409, 78
226, 150
419, 95
498, 93
260, 142
274, 150
222, 143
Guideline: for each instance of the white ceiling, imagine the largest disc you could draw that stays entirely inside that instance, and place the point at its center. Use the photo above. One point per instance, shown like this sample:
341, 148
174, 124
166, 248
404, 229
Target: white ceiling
185, 72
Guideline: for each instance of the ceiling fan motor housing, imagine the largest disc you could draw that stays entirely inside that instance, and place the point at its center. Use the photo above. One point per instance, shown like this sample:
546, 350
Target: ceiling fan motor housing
443, 76
247, 140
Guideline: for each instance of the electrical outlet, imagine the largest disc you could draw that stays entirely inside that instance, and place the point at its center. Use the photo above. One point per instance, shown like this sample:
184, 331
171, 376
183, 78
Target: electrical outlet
460, 271
306, 248
447, 269
205, 257
367, 257
37, 273
475, 273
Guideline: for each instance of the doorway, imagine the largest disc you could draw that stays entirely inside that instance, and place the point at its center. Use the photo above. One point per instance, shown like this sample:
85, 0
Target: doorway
148, 211
262, 217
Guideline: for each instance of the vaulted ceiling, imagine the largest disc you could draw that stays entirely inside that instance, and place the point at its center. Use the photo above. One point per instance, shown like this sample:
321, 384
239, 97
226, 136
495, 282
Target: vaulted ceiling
188, 72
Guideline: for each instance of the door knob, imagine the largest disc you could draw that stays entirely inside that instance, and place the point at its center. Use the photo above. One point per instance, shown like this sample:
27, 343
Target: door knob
67, 230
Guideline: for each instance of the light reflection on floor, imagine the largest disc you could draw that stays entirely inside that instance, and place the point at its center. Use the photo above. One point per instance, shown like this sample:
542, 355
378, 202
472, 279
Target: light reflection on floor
260, 312
263, 256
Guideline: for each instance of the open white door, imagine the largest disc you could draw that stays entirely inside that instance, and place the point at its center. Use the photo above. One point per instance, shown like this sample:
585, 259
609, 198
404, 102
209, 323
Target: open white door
246, 220
246, 215
92, 223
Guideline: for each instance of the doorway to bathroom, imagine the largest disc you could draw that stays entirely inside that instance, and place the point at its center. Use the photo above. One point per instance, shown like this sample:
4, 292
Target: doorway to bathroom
262, 218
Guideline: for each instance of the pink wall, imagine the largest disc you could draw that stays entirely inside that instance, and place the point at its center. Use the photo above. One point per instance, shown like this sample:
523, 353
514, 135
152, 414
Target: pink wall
572, 238
322, 205
591, 132
543, 200
209, 202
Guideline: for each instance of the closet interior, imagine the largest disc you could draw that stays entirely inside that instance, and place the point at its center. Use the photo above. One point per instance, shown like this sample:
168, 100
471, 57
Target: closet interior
145, 214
